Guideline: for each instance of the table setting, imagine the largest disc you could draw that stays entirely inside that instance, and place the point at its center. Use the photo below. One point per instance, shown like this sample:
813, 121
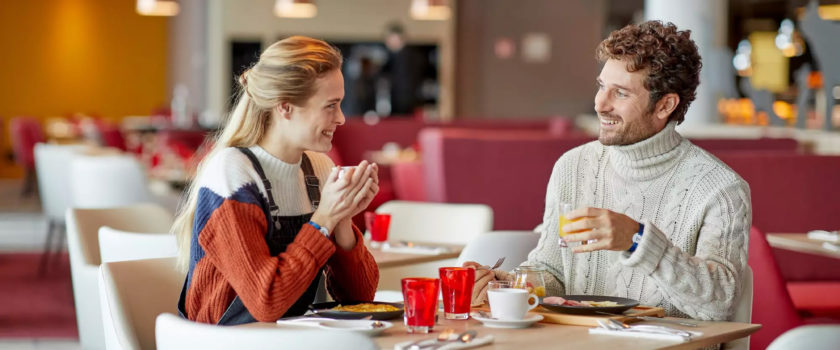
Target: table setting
437, 314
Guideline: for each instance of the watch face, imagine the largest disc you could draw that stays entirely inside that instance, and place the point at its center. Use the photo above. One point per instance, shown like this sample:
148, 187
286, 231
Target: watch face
637, 238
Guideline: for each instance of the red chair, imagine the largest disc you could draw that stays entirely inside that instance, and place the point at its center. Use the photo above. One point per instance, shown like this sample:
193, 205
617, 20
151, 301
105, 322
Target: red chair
25, 133
772, 305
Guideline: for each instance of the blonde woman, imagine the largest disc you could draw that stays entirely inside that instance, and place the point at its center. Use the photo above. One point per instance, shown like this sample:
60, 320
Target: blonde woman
267, 211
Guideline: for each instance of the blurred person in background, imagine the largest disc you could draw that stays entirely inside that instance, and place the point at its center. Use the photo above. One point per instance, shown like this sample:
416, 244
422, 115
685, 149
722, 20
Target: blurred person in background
268, 212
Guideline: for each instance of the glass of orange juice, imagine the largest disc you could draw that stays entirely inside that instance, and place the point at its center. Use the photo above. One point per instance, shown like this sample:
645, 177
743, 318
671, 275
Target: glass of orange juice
565, 208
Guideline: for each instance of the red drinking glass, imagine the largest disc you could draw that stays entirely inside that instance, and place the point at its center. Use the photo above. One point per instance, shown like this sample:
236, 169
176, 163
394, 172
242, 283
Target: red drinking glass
379, 231
456, 287
421, 303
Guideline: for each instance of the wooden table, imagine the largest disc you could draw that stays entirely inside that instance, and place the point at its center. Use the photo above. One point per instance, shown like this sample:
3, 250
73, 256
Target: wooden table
799, 242
555, 336
393, 259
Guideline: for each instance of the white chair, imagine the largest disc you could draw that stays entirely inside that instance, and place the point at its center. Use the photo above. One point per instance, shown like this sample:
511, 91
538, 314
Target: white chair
51, 164
83, 245
434, 223
176, 333
488, 247
133, 293
816, 337
109, 180
117, 245
743, 310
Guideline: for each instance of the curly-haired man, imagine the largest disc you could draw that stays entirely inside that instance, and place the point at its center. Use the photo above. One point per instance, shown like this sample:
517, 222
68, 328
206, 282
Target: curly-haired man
667, 223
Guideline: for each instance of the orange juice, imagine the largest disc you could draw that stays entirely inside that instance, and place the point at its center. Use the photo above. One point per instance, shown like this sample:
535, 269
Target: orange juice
563, 222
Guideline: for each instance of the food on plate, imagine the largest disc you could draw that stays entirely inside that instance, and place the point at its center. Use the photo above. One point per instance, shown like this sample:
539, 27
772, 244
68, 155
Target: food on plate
367, 307
568, 302
538, 290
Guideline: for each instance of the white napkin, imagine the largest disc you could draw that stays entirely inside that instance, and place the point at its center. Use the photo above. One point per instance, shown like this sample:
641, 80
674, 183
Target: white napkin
479, 341
414, 249
646, 335
823, 235
831, 246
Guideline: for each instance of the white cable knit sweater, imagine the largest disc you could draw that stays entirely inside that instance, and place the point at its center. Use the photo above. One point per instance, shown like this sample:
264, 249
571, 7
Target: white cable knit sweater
697, 216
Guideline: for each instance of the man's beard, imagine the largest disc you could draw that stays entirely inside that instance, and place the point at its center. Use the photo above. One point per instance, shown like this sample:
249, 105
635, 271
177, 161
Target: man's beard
629, 133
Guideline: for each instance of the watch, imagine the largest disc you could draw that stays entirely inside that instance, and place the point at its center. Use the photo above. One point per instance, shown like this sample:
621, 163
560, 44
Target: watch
637, 238
324, 230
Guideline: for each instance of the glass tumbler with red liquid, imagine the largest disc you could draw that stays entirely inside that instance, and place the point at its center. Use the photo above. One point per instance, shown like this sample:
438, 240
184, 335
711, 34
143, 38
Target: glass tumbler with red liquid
379, 229
456, 288
421, 303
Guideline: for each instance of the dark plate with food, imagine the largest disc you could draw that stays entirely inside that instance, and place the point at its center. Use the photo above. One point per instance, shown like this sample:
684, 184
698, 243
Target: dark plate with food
588, 304
351, 310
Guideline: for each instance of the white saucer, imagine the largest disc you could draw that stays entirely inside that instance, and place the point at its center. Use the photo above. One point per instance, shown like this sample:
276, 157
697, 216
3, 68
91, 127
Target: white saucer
496, 323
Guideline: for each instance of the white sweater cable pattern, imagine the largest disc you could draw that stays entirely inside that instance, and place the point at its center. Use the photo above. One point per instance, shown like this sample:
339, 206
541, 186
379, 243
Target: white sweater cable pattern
697, 217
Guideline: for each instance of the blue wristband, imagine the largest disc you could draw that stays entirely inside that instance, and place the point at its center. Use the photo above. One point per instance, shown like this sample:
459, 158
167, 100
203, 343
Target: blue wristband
637, 237
323, 230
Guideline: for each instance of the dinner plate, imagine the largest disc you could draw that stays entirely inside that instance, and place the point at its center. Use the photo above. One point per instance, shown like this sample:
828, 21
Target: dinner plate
325, 310
525, 322
623, 305
367, 327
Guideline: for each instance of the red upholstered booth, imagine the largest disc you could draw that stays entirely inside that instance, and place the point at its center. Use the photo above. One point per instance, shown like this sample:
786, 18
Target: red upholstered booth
507, 170
738, 145
356, 137
794, 193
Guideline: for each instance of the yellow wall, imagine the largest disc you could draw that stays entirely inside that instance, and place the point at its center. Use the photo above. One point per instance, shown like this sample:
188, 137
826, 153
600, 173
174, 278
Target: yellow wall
91, 56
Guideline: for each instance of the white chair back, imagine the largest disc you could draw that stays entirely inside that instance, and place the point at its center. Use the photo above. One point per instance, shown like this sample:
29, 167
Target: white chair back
488, 247
176, 333
117, 245
51, 164
133, 293
817, 337
436, 222
743, 310
106, 181
83, 245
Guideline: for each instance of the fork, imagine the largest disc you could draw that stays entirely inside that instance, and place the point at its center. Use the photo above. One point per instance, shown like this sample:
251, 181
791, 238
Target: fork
652, 319
495, 266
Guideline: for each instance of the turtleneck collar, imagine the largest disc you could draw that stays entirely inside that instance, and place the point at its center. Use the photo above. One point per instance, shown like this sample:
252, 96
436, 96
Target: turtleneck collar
273, 166
650, 157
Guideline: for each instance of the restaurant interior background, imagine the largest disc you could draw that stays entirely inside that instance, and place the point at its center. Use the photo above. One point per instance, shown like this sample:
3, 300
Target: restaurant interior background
100, 73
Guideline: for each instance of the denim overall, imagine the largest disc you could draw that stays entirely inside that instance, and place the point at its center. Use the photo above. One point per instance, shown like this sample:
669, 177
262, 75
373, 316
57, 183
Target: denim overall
281, 232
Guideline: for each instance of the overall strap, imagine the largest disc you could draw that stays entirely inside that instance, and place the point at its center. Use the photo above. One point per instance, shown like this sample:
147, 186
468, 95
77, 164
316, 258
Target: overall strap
313, 189
272, 207
312, 184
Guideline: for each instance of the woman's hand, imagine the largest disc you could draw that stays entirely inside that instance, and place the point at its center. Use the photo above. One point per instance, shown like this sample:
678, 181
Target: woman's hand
341, 197
369, 191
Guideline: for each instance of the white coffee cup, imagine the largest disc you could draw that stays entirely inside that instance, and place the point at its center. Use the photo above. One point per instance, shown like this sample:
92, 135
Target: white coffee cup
343, 169
511, 303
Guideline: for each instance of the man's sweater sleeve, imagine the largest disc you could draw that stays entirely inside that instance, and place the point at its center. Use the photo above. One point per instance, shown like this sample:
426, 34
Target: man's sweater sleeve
706, 285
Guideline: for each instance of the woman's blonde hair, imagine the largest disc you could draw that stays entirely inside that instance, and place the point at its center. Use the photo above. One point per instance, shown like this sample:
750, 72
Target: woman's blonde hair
286, 72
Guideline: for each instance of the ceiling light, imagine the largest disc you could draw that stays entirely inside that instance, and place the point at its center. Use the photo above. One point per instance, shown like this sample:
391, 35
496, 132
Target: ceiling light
157, 8
436, 10
295, 8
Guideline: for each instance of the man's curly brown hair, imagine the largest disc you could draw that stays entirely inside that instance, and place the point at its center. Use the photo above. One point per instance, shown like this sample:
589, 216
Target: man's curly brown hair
669, 56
